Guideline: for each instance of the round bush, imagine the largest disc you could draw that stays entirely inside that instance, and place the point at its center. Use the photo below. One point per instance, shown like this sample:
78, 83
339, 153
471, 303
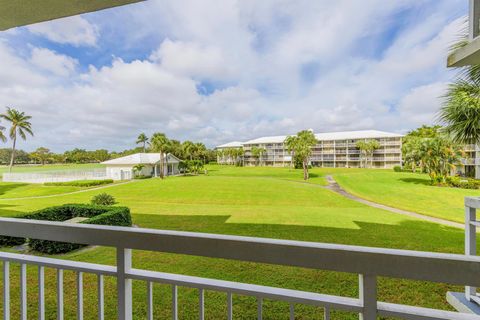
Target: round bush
103, 199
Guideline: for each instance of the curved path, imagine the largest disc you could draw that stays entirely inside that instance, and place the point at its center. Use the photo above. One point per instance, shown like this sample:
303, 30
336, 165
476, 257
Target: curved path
68, 193
335, 187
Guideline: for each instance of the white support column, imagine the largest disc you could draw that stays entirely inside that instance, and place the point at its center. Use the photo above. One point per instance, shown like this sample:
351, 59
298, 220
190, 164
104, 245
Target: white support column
41, 293
474, 23
149, 300
368, 296
124, 285
79, 295
60, 313
101, 298
23, 291
470, 242
6, 290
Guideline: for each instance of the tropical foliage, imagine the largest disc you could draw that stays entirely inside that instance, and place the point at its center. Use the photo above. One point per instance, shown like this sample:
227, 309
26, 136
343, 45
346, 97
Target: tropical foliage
19, 126
142, 139
258, 153
367, 148
231, 156
301, 146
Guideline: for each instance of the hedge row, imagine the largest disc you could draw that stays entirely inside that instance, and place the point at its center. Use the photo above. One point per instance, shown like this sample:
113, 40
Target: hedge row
80, 183
100, 215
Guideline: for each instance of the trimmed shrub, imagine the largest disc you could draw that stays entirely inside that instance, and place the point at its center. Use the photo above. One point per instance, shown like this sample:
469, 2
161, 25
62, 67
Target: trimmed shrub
397, 169
103, 199
80, 183
463, 183
101, 215
140, 177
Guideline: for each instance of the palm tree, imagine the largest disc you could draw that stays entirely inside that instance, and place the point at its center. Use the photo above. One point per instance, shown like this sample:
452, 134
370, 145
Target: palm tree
372, 146
142, 139
188, 148
363, 147
160, 143
461, 108
257, 153
20, 125
306, 140
291, 143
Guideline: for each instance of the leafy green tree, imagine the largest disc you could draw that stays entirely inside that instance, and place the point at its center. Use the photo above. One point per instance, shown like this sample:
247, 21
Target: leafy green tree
440, 156
160, 143
100, 155
142, 139
411, 152
42, 155
19, 125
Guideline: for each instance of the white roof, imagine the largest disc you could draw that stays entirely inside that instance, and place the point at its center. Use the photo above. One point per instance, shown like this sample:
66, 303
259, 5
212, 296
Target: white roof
344, 135
141, 158
233, 144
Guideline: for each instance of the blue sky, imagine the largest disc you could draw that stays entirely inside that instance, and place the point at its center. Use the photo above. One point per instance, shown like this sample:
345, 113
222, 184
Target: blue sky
216, 71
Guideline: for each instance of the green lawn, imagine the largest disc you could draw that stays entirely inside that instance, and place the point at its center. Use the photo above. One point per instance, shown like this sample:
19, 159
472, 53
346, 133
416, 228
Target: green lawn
262, 202
409, 191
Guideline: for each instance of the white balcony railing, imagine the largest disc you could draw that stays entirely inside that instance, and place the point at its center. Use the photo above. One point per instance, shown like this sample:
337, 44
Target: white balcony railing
368, 263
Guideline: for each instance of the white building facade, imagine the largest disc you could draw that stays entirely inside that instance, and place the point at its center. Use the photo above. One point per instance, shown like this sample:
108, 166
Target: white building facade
124, 168
334, 149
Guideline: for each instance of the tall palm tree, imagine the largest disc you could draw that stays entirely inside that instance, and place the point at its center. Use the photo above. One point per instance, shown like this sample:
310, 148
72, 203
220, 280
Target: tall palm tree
188, 148
257, 153
160, 143
306, 140
291, 143
142, 139
461, 108
363, 147
19, 125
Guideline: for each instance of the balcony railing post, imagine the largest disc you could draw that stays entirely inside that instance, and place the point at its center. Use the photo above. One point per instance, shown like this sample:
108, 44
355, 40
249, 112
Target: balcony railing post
124, 284
368, 296
470, 242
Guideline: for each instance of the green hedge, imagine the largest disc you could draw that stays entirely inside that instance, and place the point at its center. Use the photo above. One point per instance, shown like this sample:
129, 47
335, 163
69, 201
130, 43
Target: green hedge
101, 215
80, 183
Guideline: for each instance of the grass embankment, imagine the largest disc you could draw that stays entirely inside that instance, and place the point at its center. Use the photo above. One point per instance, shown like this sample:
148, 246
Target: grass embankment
261, 202
408, 191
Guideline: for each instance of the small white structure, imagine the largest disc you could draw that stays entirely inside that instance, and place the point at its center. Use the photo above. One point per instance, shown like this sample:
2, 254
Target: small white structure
123, 168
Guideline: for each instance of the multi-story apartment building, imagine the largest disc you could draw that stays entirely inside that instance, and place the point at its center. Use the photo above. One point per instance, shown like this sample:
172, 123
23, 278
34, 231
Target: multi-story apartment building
335, 149
471, 163
224, 157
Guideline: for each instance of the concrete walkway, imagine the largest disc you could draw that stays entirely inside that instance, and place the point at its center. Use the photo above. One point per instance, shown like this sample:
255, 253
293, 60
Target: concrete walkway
68, 193
335, 187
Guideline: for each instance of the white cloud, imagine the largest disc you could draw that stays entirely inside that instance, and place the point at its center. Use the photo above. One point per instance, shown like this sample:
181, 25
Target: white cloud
192, 59
421, 104
254, 55
57, 64
75, 30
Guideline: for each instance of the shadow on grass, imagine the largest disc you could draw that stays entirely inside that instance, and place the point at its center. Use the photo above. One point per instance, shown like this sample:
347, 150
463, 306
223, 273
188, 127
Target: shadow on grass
4, 188
416, 181
5, 210
410, 234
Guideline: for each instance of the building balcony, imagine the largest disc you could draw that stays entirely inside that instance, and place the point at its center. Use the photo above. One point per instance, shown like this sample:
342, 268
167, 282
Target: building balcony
368, 263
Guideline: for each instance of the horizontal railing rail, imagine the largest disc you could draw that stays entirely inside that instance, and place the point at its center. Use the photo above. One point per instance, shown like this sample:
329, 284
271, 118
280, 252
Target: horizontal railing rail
368, 263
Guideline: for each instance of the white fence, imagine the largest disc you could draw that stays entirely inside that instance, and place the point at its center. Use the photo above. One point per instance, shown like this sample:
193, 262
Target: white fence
56, 176
368, 263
